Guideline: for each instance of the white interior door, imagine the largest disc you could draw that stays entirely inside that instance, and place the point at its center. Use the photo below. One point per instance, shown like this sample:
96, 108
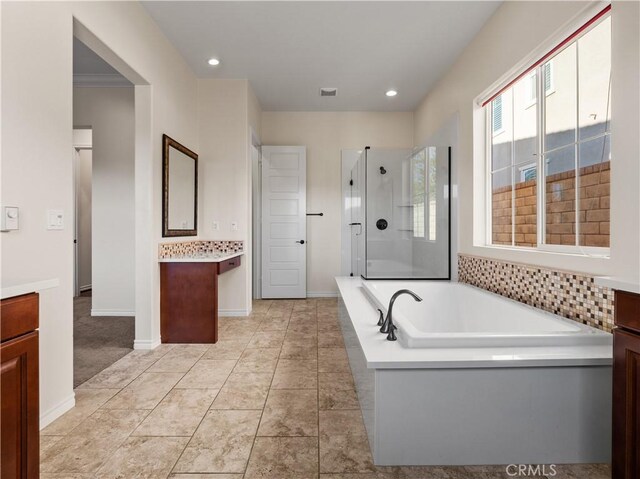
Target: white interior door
284, 222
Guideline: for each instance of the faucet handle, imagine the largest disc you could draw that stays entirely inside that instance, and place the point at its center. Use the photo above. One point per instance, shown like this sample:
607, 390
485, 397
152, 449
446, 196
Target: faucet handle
392, 333
381, 318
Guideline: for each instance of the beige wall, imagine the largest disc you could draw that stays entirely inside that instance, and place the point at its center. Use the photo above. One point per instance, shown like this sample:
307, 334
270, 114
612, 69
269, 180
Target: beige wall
110, 114
37, 119
486, 60
227, 111
325, 134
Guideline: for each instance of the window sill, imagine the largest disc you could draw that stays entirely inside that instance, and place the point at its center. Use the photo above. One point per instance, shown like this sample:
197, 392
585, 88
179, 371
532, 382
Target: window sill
590, 253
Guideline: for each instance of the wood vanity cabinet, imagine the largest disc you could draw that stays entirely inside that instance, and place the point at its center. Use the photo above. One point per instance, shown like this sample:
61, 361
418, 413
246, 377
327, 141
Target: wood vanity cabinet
189, 300
19, 397
626, 387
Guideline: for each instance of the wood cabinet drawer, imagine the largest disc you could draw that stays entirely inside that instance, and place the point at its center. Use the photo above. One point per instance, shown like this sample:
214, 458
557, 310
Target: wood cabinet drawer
627, 310
19, 316
226, 265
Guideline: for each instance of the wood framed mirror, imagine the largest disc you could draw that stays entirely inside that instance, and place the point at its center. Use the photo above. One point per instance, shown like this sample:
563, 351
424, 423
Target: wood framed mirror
179, 189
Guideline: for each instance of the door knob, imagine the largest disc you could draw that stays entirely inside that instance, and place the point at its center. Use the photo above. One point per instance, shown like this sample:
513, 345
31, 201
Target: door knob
301, 241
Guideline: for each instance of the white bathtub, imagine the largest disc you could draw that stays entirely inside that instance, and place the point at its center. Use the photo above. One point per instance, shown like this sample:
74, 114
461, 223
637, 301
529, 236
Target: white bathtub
455, 315
495, 381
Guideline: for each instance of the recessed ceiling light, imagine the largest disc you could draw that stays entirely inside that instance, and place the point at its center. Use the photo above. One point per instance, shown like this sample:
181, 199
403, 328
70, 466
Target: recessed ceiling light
391, 93
213, 62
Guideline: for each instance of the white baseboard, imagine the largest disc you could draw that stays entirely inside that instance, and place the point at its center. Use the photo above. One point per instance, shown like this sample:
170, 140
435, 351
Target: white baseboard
322, 294
86, 287
112, 312
58, 410
233, 312
146, 343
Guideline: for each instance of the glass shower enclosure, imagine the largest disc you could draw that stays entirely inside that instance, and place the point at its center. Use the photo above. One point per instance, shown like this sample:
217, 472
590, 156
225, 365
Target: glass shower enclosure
400, 214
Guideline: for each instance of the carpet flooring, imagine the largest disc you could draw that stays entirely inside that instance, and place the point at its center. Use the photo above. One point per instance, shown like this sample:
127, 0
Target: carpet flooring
98, 341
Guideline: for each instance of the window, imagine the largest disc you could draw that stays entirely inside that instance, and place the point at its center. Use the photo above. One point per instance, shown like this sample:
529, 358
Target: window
423, 193
549, 166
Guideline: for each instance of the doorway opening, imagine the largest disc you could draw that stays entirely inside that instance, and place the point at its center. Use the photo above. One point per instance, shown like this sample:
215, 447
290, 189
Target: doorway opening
104, 216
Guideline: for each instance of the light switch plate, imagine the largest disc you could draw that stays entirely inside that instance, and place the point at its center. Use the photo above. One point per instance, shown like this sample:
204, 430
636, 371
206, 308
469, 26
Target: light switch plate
10, 218
55, 219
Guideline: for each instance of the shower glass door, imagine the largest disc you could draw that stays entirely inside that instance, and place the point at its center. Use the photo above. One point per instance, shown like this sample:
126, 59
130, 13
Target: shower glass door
406, 212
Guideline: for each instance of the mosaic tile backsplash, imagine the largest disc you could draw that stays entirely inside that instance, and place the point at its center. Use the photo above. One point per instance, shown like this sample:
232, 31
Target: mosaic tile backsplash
571, 295
167, 250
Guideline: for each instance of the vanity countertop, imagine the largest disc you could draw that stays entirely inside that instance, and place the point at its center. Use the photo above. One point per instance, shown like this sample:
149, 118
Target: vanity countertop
18, 288
201, 257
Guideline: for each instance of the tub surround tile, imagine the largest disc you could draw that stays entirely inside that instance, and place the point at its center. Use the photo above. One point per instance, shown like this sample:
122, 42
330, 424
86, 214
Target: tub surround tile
572, 295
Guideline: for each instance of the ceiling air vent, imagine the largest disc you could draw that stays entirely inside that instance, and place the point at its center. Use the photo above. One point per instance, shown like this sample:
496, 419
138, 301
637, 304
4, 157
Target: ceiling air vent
328, 92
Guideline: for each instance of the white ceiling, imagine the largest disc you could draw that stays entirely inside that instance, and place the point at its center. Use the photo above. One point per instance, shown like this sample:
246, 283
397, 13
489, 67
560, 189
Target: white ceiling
289, 50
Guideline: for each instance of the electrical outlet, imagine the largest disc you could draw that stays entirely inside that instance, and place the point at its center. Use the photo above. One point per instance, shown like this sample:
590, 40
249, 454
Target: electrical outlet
234, 226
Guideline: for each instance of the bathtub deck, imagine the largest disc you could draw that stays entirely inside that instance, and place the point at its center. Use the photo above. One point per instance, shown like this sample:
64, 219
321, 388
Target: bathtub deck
482, 406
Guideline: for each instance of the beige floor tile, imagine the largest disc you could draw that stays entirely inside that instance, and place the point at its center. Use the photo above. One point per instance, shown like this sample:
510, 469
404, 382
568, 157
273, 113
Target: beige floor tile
178, 360
333, 360
207, 374
260, 354
125, 370
580, 471
337, 391
295, 374
243, 391
143, 457
345, 454
145, 392
205, 476
178, 414
47, 441
283, 458
330, 339
65, 475
231, 334
258, 360
342, 423
222, 443
290, 412
328, 325
87, 402
299, 349
92, 442
301, 336
226, 349
274, 323
267, 339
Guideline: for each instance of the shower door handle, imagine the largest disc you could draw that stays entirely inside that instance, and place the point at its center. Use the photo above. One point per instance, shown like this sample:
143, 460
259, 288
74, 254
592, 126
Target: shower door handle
301, 241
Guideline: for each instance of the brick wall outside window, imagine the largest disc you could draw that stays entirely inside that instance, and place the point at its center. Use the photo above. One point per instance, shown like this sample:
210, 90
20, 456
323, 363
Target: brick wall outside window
560, 215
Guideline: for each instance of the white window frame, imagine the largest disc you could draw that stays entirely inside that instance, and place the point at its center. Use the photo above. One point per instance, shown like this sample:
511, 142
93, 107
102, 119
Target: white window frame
579, 250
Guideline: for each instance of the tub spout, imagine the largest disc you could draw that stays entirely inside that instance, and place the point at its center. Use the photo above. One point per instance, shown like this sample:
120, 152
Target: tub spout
388, 327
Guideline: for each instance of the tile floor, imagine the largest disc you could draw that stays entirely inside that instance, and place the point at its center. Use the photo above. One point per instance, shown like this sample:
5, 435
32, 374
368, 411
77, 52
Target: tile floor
273, 399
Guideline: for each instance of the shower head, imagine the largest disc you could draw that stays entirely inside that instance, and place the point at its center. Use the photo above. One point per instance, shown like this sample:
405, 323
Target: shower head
382, 170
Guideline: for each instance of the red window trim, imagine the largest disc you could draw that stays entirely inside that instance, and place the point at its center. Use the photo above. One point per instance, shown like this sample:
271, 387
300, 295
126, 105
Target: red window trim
555, 49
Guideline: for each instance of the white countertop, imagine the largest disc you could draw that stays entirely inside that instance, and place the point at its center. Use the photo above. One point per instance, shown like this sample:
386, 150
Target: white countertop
383, 354
623, 284
201, 258
25, 287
